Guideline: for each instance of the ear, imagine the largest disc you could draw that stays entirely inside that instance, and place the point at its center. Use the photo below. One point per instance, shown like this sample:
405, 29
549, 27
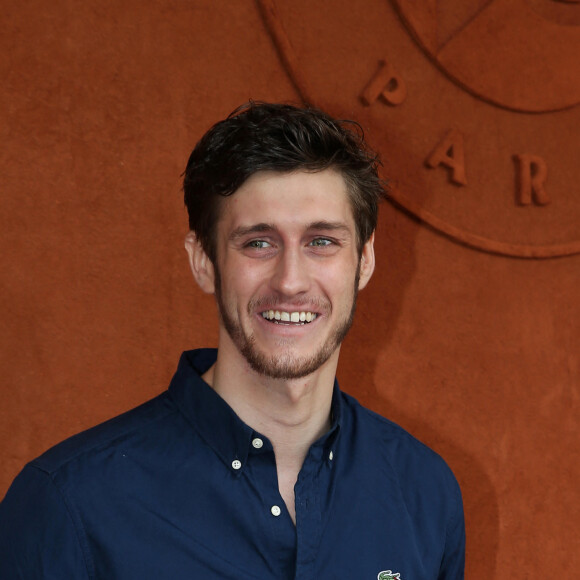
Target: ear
201, 266
367, 262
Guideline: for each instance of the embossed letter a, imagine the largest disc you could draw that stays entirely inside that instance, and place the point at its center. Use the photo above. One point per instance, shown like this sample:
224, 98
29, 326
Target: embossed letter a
449, 152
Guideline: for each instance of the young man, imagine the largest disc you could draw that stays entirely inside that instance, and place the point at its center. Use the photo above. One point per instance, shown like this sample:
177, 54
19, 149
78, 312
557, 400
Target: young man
253, 465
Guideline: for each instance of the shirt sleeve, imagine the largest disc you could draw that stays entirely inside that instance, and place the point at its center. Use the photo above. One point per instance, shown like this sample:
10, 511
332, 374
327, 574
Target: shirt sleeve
38, 537
453, 562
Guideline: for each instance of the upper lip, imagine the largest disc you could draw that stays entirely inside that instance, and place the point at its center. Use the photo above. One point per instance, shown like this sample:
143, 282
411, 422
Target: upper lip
289, 308
318, 307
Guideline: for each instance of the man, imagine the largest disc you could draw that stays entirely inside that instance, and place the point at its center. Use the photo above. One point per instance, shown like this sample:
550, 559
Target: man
253, 465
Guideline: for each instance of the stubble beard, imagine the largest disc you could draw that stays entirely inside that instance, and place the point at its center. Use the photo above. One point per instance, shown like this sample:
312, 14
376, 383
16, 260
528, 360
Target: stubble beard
286, 366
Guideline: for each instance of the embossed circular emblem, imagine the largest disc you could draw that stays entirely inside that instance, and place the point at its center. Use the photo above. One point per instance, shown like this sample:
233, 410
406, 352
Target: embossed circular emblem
520, 54
474, 106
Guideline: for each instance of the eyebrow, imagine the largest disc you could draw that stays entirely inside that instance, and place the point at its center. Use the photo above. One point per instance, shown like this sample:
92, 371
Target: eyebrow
261, 228
242, 231
329, 226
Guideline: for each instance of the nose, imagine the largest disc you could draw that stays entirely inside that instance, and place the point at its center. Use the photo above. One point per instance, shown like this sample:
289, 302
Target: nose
291, 276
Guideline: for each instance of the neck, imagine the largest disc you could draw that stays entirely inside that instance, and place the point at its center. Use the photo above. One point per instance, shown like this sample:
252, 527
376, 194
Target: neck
292, 413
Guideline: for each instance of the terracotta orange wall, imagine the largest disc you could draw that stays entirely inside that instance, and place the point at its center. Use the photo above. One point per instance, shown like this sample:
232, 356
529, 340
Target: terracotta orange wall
471, 348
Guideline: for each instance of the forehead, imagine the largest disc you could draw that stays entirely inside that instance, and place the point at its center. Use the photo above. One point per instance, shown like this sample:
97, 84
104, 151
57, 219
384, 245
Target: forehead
291, 199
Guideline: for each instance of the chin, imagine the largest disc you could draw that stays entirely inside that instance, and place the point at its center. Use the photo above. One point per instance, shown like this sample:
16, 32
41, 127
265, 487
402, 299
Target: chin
285, 366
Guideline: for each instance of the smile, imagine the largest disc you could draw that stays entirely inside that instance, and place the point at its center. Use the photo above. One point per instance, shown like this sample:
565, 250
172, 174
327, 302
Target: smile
283, 317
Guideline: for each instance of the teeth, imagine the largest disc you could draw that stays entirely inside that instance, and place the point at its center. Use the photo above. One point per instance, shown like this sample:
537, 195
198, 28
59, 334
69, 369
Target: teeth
283, 316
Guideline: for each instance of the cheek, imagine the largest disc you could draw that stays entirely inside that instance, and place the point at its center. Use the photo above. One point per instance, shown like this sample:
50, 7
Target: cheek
340, 287
242, 284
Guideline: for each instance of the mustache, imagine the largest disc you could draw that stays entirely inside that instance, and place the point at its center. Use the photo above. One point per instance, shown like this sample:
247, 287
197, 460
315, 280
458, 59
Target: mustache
312, 304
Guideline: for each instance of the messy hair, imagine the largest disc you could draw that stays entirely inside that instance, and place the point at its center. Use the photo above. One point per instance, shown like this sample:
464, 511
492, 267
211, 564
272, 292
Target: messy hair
278, 137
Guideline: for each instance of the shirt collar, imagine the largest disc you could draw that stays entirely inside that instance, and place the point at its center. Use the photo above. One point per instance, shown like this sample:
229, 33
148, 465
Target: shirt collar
217, 423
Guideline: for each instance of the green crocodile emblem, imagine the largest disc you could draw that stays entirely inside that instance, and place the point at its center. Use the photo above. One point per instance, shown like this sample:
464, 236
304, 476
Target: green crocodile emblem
388, 575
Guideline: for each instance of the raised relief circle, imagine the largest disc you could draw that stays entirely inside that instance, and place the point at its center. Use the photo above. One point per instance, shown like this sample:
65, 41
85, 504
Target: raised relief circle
519, 54
484, 151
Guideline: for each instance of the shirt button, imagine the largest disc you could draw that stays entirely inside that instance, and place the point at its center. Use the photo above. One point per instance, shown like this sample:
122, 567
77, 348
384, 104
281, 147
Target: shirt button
276, 511
236, 464
257, 443
331, 456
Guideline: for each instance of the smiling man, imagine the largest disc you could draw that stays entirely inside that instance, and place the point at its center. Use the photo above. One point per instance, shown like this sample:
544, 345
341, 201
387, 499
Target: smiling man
253, 464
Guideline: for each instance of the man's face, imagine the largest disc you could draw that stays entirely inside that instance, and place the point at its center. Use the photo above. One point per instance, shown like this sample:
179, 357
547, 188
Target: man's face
287, 270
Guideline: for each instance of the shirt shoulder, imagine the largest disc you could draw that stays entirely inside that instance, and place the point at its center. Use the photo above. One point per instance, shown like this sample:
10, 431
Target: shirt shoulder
414, 464
122, 430
45, 506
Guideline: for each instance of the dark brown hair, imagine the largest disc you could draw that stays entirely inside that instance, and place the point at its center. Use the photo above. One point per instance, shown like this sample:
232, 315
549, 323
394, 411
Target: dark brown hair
278, 137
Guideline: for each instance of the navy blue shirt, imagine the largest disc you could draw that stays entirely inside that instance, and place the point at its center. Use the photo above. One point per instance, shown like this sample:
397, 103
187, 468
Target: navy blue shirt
181, 488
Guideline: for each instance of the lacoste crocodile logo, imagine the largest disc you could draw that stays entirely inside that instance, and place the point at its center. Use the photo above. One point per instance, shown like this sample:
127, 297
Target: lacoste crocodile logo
388, 575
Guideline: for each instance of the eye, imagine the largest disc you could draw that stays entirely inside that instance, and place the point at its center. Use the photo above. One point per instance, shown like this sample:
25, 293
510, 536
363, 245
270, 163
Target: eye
258, 244
321, 242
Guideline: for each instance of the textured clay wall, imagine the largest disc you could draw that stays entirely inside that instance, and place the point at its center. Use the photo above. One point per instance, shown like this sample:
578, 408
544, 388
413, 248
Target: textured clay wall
468, 334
